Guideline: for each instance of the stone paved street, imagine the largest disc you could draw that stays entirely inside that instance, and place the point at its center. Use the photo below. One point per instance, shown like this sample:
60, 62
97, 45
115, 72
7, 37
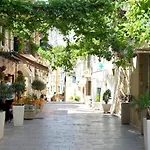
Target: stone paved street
71, 127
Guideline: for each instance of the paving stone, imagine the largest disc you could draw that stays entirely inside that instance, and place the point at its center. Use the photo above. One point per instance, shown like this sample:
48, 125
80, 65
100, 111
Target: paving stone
67, 126
2, 147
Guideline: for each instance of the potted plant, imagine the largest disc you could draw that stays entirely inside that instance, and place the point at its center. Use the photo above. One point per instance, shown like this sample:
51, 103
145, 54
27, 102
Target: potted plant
125, 108
106, 98
143, 104
30, 110
5, 92
18, 104
38, 85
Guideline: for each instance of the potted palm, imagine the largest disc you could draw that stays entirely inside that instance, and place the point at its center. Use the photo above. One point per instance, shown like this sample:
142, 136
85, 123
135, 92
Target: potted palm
143, 104
106, 98
5, 92
125, 108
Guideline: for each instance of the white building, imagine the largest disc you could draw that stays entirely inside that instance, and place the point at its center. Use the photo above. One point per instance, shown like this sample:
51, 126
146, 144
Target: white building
103, 77
93, 78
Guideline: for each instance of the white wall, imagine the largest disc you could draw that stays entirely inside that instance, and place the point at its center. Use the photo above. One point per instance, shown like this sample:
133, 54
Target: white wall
102, 78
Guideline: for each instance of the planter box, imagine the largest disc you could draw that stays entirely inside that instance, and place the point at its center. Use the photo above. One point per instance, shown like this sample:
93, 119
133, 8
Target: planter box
106, 107
18, 115
29, 112
146, 127
143, 115
2, 123
125, 113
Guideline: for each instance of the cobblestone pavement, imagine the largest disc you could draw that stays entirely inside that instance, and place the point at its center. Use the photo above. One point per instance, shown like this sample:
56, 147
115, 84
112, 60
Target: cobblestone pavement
71, 127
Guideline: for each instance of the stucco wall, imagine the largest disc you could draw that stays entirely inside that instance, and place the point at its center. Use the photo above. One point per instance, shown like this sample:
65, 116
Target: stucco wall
135, 120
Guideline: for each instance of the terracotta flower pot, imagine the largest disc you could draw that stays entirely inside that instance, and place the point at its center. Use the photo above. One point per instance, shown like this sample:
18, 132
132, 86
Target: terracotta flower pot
106, 107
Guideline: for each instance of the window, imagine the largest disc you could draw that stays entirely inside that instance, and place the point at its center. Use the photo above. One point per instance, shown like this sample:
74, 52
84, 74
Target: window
73, 79
58, 88
16, 47
88, 88
3, 36
54, 89
9, 41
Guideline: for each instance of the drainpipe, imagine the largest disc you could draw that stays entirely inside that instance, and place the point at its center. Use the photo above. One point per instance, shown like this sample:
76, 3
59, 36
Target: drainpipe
148, 72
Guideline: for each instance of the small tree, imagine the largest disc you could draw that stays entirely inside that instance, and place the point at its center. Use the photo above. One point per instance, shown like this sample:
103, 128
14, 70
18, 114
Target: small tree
19, 85
38, 85
19, 88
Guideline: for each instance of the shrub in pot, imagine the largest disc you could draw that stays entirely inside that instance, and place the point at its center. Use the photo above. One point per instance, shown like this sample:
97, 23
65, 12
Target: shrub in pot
106, 98
19, 89
38, 85
18, 104
19, 85
143, 104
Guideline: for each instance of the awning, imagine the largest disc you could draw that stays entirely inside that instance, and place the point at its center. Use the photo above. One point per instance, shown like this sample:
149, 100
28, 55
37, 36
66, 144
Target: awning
10, 56
30, 62
18, 57
143, 50
26, 71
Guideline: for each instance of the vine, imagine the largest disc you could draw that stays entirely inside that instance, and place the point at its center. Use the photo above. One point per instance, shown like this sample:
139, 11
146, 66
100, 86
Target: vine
108, 29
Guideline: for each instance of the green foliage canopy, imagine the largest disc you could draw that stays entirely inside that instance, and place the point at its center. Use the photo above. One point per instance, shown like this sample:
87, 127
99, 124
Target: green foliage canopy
38, 85
98, 24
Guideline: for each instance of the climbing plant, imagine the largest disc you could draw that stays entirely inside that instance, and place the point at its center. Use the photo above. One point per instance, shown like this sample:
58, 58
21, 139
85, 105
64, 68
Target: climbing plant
108, 29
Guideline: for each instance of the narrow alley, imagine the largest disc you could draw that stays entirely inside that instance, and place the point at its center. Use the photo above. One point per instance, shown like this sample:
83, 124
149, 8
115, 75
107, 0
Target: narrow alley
70, 126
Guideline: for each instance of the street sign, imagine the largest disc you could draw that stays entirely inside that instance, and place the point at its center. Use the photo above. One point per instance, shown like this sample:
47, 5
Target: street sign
101, 66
